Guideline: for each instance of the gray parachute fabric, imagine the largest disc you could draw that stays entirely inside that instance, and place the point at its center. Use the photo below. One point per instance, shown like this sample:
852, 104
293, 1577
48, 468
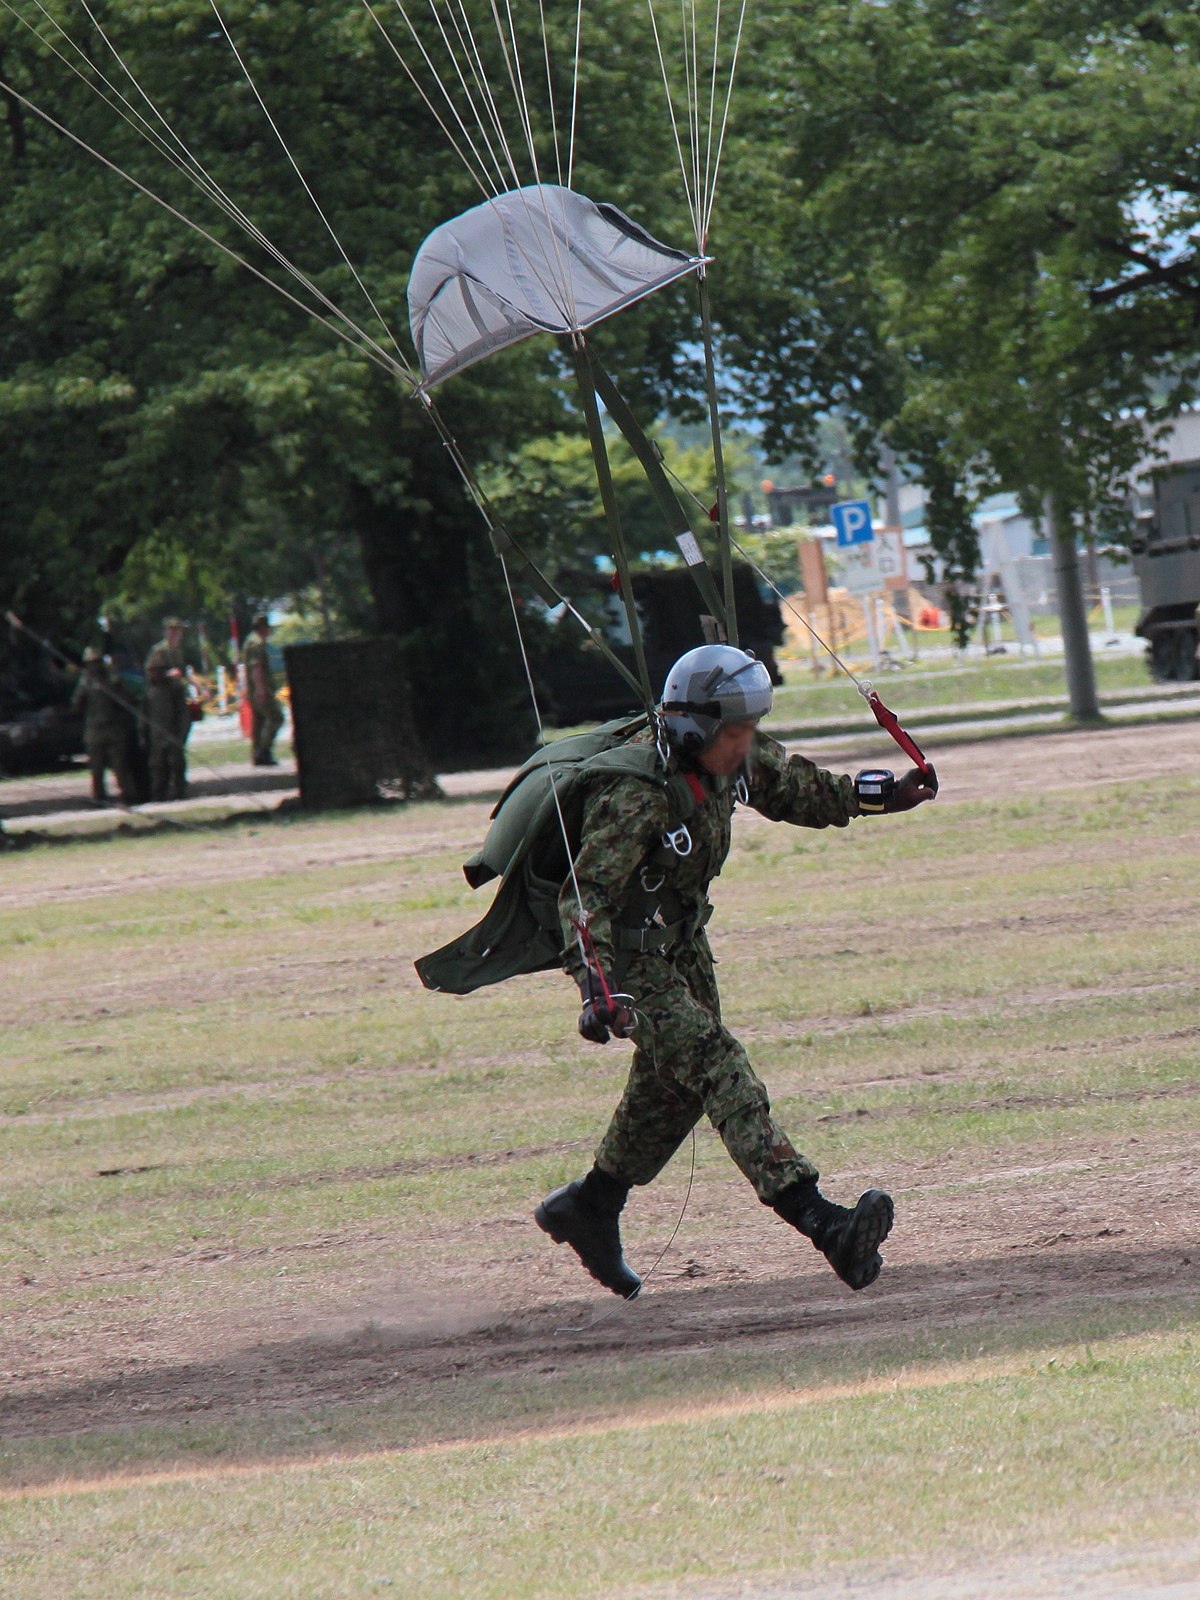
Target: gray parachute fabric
541, 259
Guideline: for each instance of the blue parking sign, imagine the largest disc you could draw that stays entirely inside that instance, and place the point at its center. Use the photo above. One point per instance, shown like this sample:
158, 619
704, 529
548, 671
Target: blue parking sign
852, 520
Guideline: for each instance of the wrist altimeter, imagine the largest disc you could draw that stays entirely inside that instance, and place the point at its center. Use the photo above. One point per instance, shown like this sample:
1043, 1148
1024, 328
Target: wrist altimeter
874, 789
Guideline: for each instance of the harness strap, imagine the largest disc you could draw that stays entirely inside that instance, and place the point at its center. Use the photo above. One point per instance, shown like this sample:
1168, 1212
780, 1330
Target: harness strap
645, 940
696, 784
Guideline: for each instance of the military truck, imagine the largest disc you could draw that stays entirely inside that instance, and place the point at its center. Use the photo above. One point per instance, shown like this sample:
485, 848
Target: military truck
38, 726
576, 684
1166, 559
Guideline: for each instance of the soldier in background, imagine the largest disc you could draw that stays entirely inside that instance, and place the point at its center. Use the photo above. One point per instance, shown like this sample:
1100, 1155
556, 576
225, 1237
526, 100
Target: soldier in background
260, 686
167, 720
106, 716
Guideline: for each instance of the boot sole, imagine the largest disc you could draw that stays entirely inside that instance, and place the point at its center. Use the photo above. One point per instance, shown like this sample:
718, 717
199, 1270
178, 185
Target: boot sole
560, 1236
858, 1262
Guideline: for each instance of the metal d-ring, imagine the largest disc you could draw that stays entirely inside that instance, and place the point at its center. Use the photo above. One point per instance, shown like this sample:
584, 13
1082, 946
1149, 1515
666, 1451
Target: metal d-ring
679, 840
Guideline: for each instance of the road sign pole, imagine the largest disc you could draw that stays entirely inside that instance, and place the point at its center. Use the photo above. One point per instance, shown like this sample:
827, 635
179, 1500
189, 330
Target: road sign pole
872, 641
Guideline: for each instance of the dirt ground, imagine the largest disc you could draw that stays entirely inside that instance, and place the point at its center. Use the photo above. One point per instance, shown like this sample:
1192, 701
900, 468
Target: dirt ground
1109, 1224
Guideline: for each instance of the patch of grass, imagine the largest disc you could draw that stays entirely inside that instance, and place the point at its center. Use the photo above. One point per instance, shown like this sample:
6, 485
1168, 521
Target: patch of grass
220, 1085
1059, 1447
928, 684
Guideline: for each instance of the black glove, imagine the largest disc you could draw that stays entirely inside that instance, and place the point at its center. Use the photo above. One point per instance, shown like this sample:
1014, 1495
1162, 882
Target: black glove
603, 1019
913, 789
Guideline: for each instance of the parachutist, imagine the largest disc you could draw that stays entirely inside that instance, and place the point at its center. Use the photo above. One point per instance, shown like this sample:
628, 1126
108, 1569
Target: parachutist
632, 909
652, 943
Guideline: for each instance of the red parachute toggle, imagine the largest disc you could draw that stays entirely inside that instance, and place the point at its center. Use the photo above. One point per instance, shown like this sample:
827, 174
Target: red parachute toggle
890, 723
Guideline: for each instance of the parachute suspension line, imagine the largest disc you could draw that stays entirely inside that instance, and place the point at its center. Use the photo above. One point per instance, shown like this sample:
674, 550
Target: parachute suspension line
542, 740
780, 596
574, 94
714, 419
699, 168
650, 458
687, 1195
182, 159
512, 60
357, 338
503, 541
691, 63
711, 119
460, 44
587, 394
474, 58
662, 66
886, 718
125, 109
511, 51
292, 162
716, 161
482, 83
558, 166
474, 163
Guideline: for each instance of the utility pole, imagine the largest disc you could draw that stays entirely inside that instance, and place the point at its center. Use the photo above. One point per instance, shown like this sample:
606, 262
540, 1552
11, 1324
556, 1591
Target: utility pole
891, 485
1072, 612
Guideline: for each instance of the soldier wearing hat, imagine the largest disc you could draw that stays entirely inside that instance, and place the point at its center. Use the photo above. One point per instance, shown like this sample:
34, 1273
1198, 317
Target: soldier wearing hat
106, 714
167, 721
267, 718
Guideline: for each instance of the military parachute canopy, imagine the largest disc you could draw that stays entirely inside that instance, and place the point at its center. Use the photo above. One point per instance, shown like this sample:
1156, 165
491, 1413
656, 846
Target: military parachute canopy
541, 259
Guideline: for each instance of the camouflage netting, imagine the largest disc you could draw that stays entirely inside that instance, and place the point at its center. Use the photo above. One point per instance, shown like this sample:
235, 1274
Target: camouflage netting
353, 730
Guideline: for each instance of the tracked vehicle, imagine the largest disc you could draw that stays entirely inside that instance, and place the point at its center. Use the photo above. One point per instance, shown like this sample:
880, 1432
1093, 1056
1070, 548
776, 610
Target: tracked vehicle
1166, 559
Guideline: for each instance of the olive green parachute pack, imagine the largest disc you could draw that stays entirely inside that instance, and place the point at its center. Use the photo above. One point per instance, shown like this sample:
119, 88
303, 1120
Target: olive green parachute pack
527, 849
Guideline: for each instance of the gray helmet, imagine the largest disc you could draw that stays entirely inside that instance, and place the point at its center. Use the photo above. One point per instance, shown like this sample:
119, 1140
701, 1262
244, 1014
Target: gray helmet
712, 684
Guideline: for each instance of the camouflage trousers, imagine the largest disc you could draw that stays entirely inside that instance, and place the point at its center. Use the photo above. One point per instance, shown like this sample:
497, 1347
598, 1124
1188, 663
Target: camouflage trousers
168, 769
266, 722
688, 1065
107, 751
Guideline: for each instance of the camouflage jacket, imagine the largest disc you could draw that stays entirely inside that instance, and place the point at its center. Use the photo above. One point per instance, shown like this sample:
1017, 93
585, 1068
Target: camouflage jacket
103, 702
255, 654
622, 855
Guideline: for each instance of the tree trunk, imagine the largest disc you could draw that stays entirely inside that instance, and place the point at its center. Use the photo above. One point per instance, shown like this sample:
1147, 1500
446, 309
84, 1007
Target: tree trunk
1072, 612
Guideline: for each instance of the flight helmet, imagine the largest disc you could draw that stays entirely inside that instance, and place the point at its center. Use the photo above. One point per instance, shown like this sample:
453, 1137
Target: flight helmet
712, 684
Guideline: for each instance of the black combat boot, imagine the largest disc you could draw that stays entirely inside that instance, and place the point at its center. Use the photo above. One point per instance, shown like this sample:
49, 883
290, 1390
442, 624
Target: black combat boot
585, 1214
849, 1240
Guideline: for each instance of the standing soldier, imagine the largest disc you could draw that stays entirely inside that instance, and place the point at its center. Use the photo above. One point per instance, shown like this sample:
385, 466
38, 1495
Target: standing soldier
106, 715
644, 888
260, 686
167, 718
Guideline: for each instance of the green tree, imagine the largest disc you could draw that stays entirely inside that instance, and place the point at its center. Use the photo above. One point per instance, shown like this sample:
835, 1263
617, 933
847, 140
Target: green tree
991, 213
158, 405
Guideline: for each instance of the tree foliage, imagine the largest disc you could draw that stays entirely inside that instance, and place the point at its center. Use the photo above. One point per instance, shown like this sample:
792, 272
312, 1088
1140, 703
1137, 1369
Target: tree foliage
165, 414
969, 227
984, 244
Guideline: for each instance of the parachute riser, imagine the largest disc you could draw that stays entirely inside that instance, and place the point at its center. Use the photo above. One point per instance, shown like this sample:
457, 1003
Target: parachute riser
714, 417
669, 503
504, 544
608, 496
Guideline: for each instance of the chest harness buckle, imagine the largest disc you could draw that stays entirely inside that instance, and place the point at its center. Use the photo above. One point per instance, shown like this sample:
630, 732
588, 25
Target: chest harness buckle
679, 840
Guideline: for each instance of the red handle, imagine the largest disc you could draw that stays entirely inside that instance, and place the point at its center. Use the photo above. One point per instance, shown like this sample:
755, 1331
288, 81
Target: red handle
890, 722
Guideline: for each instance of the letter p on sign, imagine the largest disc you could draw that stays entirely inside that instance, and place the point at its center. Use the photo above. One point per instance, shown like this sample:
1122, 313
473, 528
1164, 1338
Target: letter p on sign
852, 521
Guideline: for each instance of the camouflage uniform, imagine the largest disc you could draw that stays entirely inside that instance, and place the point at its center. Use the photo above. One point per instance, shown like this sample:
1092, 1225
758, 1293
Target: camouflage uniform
266, 720
686, 1062
105, 729
167, 721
